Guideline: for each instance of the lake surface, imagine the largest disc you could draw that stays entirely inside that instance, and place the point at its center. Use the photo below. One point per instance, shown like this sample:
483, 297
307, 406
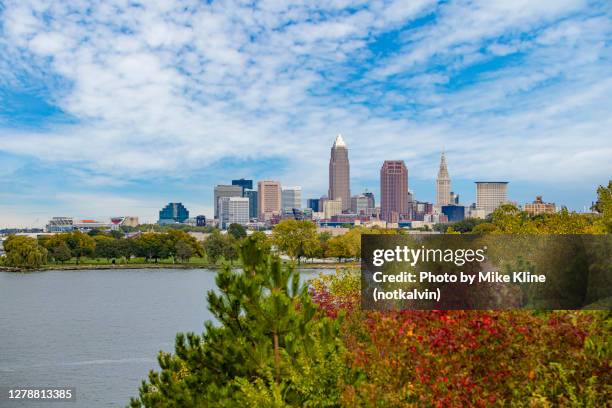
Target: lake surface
96, 330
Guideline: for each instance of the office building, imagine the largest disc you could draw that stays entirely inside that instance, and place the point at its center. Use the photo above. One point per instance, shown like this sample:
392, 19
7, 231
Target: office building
360, 204
443, 184
313, 204
339, 173
490, 195
225, 190
269, 200
200, 221
173, 213
454, 198
252, 196
371, 201
331, 208
393, 190
454, 212
540, 207
244, 183
291, 197
233, 210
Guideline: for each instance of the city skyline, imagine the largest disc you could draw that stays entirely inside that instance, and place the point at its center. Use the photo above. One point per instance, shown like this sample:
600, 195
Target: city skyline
181, 99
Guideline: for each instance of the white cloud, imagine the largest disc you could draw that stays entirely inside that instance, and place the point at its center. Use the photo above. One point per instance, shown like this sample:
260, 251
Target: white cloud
174, 86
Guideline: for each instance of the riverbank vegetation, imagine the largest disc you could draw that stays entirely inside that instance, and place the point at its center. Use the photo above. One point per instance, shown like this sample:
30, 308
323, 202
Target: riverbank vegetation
279, 345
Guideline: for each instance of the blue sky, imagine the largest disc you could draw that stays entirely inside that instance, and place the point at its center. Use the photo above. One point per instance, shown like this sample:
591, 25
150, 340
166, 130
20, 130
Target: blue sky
120, 107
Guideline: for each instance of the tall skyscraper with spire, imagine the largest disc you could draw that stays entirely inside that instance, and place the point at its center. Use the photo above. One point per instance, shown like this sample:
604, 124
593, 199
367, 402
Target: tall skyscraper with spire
443, 184
339, 174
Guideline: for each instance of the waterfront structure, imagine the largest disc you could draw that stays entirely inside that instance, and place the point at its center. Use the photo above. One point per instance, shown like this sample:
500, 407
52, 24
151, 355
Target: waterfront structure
269, 200
360, 204
443, 184
313, 204
331, 208
490, 195
233, 210
244, 183
454, 212
339, 173
393, 190
225, 190
60, 224
540, 207
291, 197
173, 213
252, 196
200, 221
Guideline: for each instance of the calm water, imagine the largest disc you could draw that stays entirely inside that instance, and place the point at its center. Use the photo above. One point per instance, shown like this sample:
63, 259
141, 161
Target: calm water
98, 331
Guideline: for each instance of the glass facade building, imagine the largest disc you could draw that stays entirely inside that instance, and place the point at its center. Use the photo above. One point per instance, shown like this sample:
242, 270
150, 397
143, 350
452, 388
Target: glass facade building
244, 183
454, 212
173, 213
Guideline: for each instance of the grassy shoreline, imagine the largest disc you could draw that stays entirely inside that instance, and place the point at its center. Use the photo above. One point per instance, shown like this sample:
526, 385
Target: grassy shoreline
162, 265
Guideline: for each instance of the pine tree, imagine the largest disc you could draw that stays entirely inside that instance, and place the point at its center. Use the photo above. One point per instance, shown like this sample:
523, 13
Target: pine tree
268, 345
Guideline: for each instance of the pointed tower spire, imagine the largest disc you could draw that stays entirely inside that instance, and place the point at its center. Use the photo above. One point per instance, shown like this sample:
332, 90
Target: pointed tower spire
339, 142
443, 183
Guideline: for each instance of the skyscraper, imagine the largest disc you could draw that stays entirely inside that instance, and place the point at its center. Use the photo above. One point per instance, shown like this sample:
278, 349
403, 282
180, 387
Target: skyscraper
339, 173
490, 195
393, 190
291, 198
224, 190
269, 199
252, 196
244, 183
443, 184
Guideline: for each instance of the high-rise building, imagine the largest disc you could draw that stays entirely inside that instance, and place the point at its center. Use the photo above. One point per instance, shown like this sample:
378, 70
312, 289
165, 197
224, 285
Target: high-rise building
454, 198
371, 201
339, 173
331, 208
244, 183
443, 184
360, 204
225, 190
313, 204
233, 210
269, 199
490, 195
173, 213
540, 207
393, 190
291, 198
252, 196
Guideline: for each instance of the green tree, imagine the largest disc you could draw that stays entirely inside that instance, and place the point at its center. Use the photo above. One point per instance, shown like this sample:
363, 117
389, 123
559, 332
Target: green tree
604, 206
127, 248
237, 231
60, 252
80, 244
24, 252
152, 245
183, 250
295, 238
106, 247
265, 349
219, 246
